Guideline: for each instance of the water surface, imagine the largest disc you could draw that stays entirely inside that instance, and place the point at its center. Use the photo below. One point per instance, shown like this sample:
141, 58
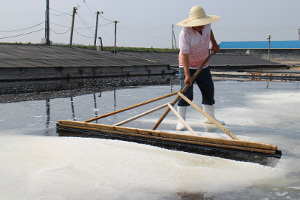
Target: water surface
37, 164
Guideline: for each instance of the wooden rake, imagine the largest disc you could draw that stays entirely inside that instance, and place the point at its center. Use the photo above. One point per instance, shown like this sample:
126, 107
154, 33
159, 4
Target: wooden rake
169, 108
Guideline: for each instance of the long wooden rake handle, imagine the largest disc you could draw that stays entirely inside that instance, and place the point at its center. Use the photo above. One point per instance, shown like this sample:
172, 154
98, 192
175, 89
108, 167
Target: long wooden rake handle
182, 91
131, 107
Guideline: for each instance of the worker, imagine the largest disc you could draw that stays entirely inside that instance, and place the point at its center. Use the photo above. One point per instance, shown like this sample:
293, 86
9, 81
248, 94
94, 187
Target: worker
194, 41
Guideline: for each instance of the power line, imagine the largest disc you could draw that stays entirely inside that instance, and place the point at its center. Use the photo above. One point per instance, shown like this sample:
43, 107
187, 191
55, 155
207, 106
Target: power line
92, 13
82, 34
84, 23
61, 32
20, 14
87, 27
79, 27
108, 37
59, 14
107, 19
87, 6
22, 34
106, 24
59, 25
62, 13
23, 29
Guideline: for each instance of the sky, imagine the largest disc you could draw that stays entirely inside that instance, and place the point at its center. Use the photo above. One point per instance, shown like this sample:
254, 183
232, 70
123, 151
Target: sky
146, 23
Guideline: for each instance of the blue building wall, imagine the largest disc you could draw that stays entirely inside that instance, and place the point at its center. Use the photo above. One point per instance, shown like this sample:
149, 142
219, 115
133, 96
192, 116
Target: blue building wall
278, 49
293, 44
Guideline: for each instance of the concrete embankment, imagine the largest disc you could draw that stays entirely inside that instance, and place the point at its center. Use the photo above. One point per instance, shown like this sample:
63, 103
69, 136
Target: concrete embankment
35, 68
32, 62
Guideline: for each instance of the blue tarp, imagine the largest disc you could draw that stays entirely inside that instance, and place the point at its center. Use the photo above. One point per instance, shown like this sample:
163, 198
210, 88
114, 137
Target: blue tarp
293, 44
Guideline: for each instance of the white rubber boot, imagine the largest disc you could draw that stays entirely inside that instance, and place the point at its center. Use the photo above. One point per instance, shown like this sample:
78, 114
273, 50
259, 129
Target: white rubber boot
182, 111
210, 109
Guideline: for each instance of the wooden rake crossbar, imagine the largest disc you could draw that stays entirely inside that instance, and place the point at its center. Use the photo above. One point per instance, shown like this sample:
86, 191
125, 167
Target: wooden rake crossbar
141, 115
181, 119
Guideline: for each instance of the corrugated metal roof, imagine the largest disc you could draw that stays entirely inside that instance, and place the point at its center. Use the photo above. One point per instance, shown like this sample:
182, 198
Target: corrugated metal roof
292, 44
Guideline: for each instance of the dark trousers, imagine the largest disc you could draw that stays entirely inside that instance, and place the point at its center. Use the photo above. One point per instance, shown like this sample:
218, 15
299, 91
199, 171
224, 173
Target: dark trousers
205, 84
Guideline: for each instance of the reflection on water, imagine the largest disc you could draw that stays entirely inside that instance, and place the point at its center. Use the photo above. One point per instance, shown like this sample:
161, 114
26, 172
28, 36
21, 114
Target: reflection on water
42, 110
210, 128
48, 116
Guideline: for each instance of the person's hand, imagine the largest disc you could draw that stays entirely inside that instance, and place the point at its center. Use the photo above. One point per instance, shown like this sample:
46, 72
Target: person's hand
188, 80
215, 48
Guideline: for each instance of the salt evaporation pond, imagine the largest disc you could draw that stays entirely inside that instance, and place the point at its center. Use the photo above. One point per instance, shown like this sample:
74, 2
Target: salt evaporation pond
37, 164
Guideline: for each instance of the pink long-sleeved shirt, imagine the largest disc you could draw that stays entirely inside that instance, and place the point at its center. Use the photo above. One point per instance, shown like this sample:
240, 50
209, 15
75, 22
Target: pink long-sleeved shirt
196, 45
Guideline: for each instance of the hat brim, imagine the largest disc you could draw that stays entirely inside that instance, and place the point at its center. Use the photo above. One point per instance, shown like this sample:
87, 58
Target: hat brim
199, 22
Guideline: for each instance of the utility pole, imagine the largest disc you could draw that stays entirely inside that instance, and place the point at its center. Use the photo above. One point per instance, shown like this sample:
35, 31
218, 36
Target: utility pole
174, 46
96, 30
269, 38
115, 46
47, 24
72, 27
172, 38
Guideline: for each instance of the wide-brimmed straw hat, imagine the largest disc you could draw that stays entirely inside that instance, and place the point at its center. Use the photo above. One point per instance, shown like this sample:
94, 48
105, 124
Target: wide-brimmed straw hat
198, 18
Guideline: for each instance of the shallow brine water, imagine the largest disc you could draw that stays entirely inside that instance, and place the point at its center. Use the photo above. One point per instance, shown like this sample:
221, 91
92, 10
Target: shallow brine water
37, 164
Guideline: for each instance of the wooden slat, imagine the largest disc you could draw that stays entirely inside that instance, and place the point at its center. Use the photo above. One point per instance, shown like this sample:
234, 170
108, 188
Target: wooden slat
249, 149
131, 107
141, 115
171, 135
182, 120
208, 117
